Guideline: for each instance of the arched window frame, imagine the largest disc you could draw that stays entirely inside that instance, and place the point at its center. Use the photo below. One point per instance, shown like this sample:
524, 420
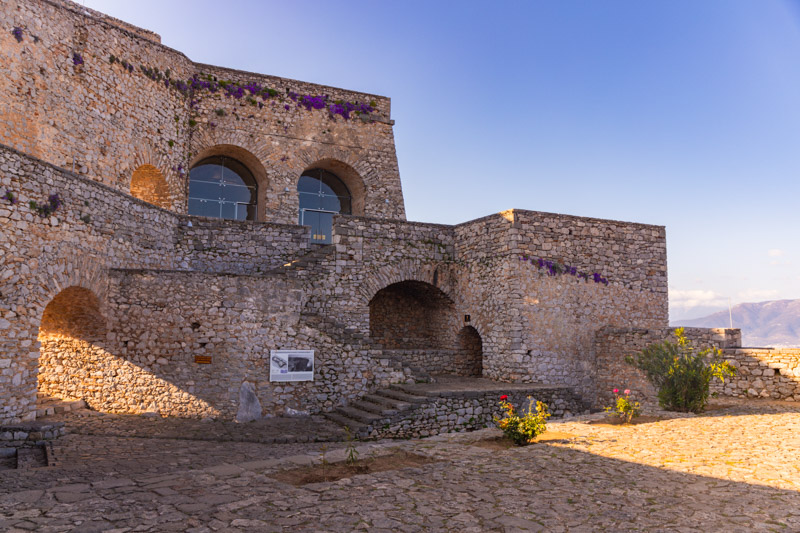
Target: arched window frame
231, 197
322, 195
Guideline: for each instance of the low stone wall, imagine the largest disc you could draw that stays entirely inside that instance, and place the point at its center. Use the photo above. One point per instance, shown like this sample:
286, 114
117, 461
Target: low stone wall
236, 246
613, 345
30, 434
452, 362
763, 373
468, 411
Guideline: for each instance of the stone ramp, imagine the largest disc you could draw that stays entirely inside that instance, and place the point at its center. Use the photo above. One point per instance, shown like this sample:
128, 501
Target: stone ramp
450, 404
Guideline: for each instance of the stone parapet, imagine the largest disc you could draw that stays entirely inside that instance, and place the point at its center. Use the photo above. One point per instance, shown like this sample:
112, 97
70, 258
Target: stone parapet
762, 373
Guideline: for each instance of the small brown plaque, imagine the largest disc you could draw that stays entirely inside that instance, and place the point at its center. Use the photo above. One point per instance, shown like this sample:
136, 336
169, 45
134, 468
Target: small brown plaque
202, 359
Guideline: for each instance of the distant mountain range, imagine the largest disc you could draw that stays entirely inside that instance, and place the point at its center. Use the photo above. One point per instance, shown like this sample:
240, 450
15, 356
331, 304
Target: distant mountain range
774, 323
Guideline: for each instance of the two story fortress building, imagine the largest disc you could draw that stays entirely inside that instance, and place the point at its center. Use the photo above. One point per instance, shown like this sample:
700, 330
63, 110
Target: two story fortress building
174, 235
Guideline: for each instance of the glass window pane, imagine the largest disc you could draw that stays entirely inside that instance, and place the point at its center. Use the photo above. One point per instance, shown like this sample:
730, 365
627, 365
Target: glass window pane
237, 193
228, 210
211, 173
203, 190
308, 184
310, 201
231, 177
330, 203
204, 208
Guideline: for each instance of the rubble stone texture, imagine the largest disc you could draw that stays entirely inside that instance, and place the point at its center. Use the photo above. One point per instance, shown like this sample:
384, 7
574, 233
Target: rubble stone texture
121, 299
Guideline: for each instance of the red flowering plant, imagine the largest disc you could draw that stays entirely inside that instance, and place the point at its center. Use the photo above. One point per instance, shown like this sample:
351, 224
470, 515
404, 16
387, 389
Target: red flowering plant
522, 429
624, 407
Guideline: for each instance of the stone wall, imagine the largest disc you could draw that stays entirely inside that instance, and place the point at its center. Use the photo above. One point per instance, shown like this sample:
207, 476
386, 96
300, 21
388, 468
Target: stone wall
119, 109
762, 373
235, 246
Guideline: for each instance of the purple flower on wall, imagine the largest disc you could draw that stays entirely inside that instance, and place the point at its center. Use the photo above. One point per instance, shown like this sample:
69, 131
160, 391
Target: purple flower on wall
17, 33
77, 59
10, 197
45, 210
555, 268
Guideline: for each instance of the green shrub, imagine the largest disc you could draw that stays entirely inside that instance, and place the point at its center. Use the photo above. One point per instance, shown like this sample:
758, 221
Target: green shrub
681, 372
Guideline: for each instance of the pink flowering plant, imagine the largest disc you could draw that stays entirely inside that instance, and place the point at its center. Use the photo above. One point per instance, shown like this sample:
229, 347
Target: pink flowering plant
523, 428
624, 407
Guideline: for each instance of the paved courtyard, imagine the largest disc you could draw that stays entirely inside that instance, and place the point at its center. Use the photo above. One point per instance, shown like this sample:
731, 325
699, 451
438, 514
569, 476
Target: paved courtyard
735, 468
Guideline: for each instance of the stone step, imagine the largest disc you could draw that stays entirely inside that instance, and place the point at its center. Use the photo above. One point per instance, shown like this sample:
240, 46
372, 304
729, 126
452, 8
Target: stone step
390, 403
377, 408
365, 417
50, 407
358, 428
397, 394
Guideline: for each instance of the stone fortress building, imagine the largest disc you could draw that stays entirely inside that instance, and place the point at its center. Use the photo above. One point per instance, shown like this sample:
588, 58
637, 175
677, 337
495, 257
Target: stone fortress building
165, 226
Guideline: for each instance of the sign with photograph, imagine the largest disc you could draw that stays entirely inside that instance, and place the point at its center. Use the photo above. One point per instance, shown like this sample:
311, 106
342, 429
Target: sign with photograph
291, 365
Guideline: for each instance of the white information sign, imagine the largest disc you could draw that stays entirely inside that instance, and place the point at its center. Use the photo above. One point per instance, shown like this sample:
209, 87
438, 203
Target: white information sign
291, 365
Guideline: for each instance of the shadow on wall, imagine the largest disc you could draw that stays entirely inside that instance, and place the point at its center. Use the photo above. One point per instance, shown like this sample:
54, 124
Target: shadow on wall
74, 363
417, 323
470, 351
412, 315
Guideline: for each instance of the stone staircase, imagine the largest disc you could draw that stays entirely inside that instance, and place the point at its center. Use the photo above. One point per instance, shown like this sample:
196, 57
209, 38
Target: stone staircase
450, 403
372, 411
306, 264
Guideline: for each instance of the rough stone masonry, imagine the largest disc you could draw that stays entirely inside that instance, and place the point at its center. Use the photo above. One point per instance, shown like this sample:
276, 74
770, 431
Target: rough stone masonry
111, 292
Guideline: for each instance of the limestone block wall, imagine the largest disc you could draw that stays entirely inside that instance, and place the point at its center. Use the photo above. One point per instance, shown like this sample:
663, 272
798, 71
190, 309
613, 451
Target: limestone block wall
613, 344
763, 373
540, 327
105, 99
94, 228
159, 322
234, 246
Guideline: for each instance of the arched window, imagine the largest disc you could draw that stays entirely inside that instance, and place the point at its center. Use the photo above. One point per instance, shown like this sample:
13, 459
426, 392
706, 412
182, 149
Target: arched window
221, 187
322, 195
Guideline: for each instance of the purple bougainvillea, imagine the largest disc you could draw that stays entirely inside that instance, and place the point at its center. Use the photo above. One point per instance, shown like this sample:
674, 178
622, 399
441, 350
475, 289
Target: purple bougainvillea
554, 268
10, 197
45, 210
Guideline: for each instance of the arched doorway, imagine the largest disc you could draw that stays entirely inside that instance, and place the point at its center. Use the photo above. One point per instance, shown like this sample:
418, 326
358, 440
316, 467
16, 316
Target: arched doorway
415, 322
322, 195
71, 335
148, 184
469, 357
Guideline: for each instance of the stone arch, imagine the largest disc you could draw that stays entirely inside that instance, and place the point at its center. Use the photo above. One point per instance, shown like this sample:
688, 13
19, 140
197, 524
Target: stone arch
149, 184
152, 164
409, 270
65, 268
72, 331
248, 159
412, 315
469, 355
349, 176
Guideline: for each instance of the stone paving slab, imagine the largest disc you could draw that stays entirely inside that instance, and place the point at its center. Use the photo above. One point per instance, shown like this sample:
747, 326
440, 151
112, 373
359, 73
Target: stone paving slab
733, 469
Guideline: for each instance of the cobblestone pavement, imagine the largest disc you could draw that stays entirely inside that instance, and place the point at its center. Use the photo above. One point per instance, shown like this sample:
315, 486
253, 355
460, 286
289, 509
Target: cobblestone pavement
734, 469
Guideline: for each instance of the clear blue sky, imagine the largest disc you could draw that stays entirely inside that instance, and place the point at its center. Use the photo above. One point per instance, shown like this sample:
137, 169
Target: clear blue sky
680, 113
